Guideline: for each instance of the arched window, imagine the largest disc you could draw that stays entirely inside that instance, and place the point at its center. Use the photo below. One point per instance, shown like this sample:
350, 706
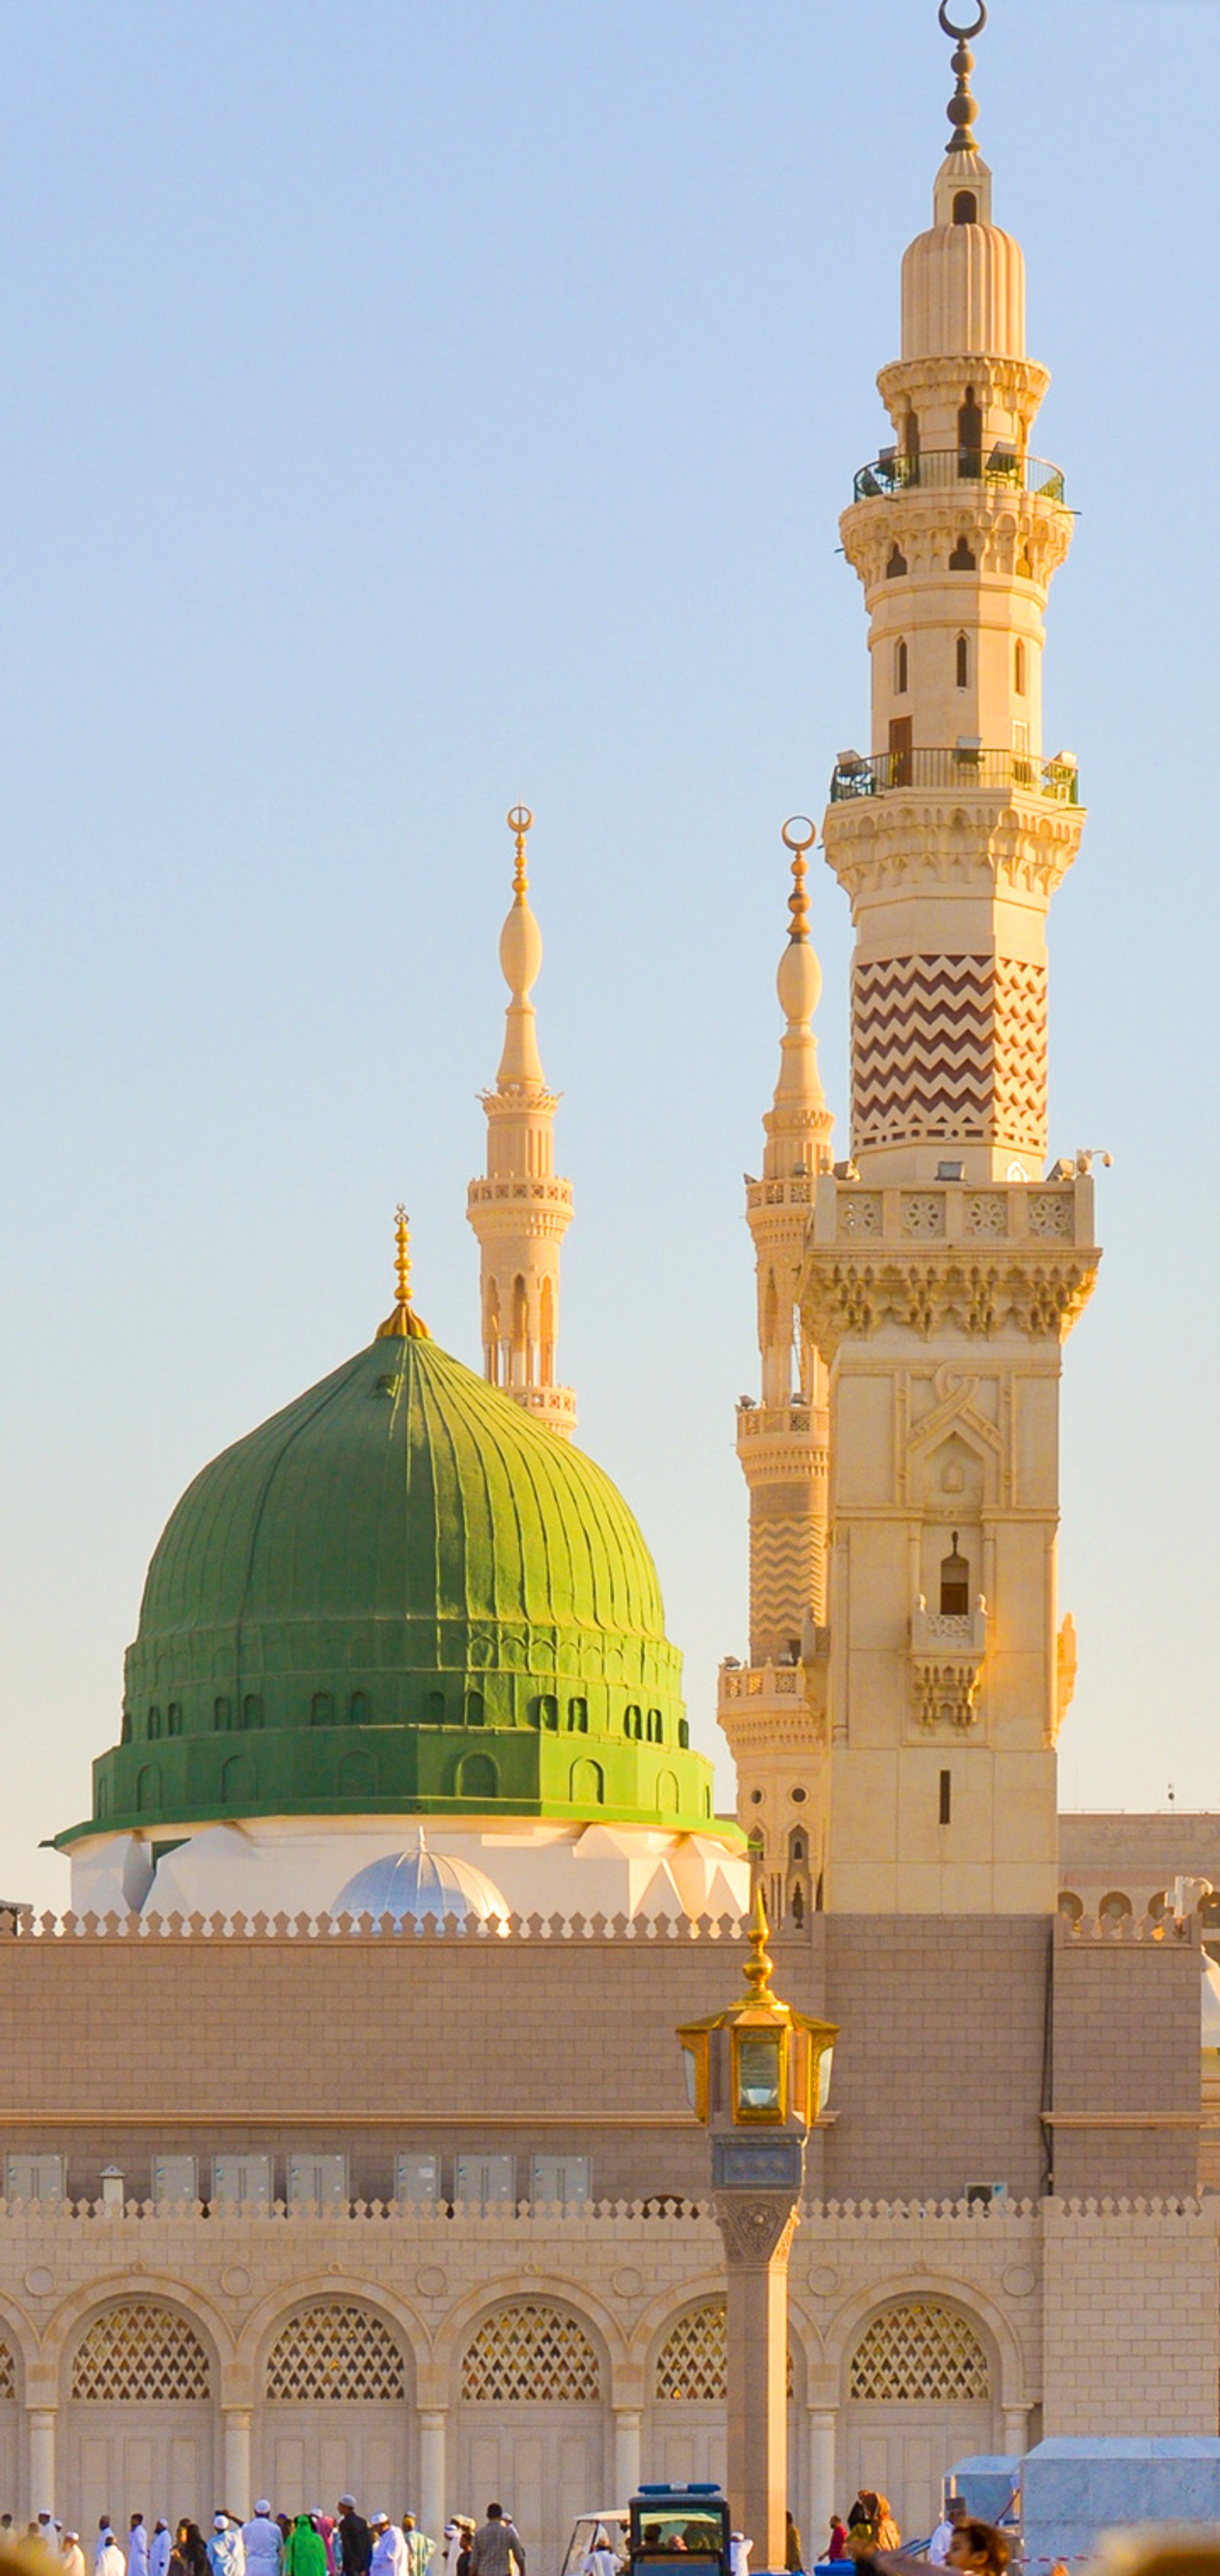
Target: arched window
965, 207
586, 1787
154, 1724
520, 1315
683, 1735
633, 1726
918, 2353
963, 557
547, 1331
477, 1777
222, 1715
322, 1709
252, 1710
1018, 666
1115, 1907
530, 2354
357, 1774
476, 1714
955, 1584
238, 1780
1070, 1906
148, 1788
970, 438
491, 1333
910, 442
900, 667
578, 1717
667, 1794
125, 1729
436, 1708
691, 2367
963, 661
358, 1709
336, 2354
173, 1718
140, 2355
897, 564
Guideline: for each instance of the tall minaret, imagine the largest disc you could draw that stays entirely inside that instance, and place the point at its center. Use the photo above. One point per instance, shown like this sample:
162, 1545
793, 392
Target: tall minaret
944, 1273
773, 1709
521, 1212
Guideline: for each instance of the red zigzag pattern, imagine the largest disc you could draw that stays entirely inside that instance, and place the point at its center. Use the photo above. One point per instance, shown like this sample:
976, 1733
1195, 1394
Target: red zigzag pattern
949, 1049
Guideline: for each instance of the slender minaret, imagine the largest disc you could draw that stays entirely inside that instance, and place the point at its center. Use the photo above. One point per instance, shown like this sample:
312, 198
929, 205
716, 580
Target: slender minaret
773, 1710
521, 1212
944, 1272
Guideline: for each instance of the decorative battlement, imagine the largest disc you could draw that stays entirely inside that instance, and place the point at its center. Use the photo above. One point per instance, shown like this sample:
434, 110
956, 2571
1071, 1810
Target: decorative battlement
21, 1923
981, 1259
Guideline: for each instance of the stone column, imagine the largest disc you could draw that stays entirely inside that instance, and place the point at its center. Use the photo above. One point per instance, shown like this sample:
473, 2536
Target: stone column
628, 2430
758, 2228
823, 2500
432, 2421
235, 2484
41, 2421
1016, 2431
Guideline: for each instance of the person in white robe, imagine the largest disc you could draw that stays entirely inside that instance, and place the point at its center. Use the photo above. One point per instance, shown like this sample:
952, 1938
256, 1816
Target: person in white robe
137, 2547
226, 2549
72, 2556
263, 2542
108, 2559
160, 2548
389, 2548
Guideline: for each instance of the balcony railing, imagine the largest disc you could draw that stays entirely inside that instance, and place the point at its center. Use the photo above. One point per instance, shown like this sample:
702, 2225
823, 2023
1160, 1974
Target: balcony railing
940, 468
964, 768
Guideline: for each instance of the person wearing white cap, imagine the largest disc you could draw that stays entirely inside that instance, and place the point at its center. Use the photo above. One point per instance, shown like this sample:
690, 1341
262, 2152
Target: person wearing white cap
160, 2548
389, 2548
226, 2551
263, 2541
72, 2556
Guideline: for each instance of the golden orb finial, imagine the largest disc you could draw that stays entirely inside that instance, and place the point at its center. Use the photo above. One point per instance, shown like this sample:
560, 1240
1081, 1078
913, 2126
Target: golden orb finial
520, 821
799, 835
403, 1324
963, 106
759, 1964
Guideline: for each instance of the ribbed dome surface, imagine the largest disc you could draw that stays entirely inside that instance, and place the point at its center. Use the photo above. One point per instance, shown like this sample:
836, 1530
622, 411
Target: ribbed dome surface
401, 1594
410, 1885
402, 1488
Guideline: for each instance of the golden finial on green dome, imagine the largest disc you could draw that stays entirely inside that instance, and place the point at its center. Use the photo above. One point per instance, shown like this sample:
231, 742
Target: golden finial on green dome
403, 1323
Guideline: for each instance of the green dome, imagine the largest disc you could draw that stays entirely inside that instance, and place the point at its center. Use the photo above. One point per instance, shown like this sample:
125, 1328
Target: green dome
401, 1594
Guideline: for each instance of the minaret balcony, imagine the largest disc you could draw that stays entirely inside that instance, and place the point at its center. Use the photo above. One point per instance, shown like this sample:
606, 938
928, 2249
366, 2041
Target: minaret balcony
968, 769
999, 468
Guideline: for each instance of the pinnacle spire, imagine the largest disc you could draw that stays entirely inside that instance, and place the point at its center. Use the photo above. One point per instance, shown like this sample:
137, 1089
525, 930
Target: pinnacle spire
520, 960
963, 106
799, 982
402, 1324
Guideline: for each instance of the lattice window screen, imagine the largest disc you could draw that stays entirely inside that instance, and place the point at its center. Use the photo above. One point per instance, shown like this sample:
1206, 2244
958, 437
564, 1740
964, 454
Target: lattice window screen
336, 2351
8, 2375
692, 2364
141, 2355
532, 2355
918, 2351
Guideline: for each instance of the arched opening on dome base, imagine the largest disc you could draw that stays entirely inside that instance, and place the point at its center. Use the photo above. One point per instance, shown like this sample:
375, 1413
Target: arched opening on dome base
587, 1786
684, 2431
238, 1781
337, 2412
919, 2396
357, 1775
533, 2418
148, 1788
477, 1777
139, 2418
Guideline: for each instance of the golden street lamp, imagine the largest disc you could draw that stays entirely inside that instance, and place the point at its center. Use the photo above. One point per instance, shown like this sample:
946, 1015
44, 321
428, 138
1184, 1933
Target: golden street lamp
757, 2076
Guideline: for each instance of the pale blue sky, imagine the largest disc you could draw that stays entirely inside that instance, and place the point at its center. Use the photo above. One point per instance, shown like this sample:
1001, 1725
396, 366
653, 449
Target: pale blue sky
404, 409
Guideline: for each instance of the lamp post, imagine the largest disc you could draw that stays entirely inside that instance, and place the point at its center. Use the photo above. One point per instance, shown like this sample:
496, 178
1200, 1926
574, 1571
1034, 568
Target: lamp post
757, 2076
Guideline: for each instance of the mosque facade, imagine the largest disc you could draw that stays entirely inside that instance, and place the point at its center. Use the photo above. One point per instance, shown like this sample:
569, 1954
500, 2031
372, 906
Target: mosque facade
405, 1800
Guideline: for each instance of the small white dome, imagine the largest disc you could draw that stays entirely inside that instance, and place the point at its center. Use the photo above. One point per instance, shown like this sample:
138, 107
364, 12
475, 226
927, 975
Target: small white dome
409, 1885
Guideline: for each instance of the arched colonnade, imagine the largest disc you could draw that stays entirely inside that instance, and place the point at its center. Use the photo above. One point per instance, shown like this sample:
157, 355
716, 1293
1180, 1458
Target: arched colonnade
140, 2394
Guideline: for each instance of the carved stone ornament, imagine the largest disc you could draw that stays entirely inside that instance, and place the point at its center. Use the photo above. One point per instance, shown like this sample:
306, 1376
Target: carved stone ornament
757, 2226
946, 1693
1042, 1295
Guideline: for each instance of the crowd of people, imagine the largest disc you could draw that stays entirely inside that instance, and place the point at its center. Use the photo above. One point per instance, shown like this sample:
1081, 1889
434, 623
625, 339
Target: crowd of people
279, 2544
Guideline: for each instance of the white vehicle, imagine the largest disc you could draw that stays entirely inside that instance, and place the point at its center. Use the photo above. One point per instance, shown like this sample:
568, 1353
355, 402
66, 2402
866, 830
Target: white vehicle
615, 2522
